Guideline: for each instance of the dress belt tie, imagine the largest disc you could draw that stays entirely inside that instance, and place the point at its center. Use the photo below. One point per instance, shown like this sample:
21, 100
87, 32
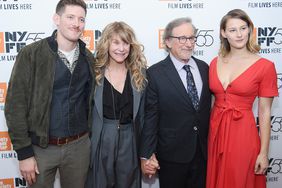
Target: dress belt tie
227, 114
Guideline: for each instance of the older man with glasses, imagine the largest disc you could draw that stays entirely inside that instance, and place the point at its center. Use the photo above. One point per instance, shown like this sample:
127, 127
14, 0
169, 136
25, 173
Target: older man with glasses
177, 108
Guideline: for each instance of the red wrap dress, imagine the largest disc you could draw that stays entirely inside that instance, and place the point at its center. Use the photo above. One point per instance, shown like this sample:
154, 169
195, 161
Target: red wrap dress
233, 142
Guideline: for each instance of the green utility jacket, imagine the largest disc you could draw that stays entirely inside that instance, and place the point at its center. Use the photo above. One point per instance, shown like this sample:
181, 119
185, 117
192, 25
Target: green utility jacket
29, 96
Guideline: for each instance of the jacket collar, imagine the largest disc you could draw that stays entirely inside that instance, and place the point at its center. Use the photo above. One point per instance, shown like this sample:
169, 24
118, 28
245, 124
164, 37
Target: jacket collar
98, 98
53, 44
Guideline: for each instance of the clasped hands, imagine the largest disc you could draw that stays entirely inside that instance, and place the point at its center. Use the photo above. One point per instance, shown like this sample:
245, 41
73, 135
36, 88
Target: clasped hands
150, 166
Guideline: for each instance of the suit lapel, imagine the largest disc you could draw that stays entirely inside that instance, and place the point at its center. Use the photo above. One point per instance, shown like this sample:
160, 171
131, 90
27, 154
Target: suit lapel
173, 76
98, 98
136, 99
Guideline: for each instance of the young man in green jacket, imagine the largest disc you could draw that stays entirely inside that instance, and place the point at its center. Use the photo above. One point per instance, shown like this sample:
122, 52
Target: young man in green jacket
48, 105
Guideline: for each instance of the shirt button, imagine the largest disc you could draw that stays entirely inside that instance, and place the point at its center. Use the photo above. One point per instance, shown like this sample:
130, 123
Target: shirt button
195, 128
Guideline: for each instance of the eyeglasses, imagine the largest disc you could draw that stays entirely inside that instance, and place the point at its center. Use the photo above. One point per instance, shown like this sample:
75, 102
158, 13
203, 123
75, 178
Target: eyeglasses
183, 39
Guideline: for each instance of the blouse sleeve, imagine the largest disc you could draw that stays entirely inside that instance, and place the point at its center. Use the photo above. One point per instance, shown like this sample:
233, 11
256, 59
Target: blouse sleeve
268, 84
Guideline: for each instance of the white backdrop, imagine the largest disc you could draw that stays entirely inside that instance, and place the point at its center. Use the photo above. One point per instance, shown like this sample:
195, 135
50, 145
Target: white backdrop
25, 21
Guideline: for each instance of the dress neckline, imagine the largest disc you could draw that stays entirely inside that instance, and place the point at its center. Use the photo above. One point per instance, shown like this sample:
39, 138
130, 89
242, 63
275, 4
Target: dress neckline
237, 77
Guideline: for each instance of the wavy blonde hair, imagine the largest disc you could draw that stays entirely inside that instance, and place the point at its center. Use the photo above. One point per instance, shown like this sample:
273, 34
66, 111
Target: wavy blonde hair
252, 45
136, 62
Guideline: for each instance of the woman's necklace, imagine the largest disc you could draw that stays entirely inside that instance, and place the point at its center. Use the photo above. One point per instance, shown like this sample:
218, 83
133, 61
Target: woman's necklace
113, 98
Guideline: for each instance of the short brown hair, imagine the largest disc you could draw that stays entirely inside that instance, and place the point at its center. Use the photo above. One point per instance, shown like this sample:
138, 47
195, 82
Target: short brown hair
252, 45
63, 3
175, 23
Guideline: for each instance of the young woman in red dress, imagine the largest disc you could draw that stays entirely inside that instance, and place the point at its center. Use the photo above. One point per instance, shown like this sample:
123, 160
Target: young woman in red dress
237, 151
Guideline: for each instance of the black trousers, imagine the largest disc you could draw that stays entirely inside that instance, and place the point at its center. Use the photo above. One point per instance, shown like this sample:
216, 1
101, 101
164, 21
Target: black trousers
184, 175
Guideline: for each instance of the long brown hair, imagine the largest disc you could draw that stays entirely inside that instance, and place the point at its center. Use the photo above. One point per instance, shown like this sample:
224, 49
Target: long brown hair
252, 45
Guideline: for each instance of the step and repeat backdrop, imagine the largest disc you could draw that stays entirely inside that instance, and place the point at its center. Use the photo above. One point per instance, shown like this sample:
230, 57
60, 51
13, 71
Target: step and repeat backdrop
25, 21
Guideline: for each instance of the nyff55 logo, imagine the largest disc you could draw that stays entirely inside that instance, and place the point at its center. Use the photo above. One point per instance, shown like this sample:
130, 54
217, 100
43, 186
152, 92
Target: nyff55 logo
275, 166
269, 35
276, 123
5, 142
16, 40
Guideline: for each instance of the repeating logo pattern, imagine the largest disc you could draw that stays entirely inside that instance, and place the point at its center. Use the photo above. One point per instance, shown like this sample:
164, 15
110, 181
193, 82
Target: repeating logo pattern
91, 37
5, 142
14, 41
205, 38
3, 92
103, 4
13, 183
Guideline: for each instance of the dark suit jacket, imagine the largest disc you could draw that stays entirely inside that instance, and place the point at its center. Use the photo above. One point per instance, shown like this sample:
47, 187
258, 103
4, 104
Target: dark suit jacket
171, 122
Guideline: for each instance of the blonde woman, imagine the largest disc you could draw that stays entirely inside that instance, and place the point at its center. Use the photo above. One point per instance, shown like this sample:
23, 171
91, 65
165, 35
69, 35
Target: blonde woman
237, 152
118, 109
